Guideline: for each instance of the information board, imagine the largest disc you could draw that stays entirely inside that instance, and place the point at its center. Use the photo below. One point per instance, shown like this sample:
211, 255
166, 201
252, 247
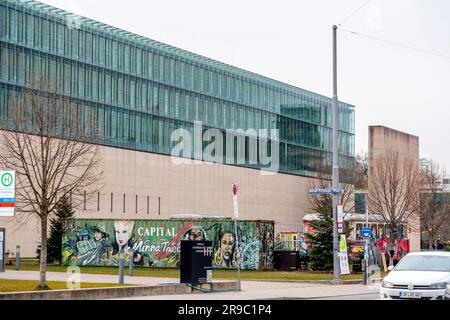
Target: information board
7, 193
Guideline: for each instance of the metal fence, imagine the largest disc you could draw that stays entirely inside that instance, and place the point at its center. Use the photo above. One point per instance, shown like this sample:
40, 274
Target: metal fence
289, 245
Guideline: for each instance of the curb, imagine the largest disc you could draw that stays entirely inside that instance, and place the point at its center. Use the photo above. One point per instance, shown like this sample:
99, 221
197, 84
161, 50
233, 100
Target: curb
117, 292
321, 297
305, 281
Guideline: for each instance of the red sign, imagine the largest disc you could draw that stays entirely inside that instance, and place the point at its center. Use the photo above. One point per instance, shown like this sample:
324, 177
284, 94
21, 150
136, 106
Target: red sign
235, 189
6, 204
340, 226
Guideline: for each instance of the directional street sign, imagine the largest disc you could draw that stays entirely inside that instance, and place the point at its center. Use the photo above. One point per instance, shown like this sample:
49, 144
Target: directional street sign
326, 191
340, 226
366, 232
340, 213
340, 219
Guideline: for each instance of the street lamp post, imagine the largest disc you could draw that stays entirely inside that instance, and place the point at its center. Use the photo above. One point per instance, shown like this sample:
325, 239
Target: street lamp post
335, 113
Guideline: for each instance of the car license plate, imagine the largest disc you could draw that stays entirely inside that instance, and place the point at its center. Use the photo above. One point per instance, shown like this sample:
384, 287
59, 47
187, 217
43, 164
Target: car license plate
409, 295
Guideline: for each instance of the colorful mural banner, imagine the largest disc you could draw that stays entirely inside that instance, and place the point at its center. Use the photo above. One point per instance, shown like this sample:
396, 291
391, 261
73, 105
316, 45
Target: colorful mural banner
156, 243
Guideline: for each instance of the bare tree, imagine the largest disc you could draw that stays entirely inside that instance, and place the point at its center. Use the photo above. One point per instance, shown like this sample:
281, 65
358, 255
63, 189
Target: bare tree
361, 170
394, 187
50, 143
435, 204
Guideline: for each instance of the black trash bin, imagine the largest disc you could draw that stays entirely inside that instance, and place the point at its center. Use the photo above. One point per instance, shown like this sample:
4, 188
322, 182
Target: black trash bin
286, 260
195, 261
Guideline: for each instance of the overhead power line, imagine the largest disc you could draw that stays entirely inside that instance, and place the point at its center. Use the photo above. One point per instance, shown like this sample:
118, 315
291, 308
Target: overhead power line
397, 44
354, 12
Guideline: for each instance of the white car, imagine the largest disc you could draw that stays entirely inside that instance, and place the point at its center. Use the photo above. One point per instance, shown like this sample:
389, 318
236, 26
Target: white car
419, 275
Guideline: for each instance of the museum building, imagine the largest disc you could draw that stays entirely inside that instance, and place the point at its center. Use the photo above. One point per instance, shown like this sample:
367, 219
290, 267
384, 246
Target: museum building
139, 92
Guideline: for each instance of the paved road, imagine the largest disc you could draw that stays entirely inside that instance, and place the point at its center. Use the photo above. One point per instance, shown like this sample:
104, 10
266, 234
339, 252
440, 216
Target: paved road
368, 296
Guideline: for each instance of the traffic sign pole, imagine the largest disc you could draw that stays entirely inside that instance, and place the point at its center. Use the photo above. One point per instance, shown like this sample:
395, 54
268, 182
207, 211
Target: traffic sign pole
366, 234
235, 215
2, 249
366, 249
335, 173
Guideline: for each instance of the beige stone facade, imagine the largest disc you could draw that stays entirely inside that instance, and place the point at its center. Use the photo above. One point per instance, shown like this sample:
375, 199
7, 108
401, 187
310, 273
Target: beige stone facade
164, 188
384, 140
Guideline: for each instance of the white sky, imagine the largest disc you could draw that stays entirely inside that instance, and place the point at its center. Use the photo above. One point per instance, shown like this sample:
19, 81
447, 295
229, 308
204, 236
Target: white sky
290, 40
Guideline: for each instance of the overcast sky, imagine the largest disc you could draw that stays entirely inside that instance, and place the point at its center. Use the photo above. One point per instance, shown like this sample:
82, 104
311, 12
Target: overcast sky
291, 41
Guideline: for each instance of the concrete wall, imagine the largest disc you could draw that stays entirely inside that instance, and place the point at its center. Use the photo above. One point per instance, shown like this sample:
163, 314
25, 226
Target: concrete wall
177, 189
120, 292
384, 140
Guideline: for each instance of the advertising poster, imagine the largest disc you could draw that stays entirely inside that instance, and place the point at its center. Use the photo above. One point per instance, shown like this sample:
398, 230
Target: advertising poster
343, 255
156, 243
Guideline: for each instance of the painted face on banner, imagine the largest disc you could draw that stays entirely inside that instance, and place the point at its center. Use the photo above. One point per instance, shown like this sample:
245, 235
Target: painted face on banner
137, 258
123, 232
196, 234
98, 235
227, 245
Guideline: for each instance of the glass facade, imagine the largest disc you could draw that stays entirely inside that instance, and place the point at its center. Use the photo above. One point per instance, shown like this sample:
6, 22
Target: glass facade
139, 90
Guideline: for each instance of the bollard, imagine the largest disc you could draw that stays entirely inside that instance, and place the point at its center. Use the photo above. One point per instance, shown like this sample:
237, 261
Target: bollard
17, 257
130, 269
121, 267
364, 272
2, 250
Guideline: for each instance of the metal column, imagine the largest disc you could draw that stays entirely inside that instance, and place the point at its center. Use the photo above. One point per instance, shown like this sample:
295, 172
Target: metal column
335, 112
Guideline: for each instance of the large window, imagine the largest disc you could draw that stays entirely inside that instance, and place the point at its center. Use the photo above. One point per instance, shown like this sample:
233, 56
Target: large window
140, 91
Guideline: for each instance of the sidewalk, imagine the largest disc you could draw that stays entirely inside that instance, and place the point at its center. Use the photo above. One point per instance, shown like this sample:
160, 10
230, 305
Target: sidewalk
86, 277
260, 290
250, 289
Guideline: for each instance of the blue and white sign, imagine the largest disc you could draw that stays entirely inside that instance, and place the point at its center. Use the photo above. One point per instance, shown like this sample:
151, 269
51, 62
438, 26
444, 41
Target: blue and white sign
326, 191
366, 232
7, 193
